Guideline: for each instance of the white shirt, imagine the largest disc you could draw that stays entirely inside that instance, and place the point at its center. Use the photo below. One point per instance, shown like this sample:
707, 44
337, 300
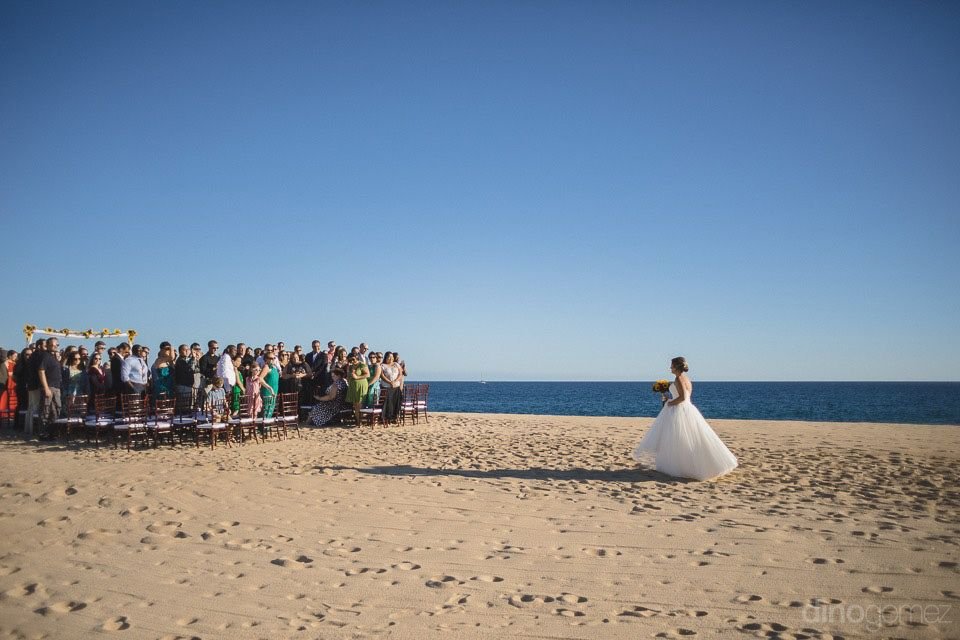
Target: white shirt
226, 370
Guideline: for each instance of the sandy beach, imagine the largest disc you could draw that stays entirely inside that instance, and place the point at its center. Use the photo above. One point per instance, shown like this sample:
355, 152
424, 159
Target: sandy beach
486, 526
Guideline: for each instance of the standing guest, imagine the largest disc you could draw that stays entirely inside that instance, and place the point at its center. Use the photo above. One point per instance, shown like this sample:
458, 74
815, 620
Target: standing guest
297, 349
4, 376
163, 370
8, 396
321, 378
254, 400
357, 374
373, 382
50, 375
241, 349
257, 353
315, 353
249, 357
20, 373
331, 350
225, 368
116, 368
196, 353
365, 353
144, 358
298, 375
74, 376
96, 378
330, 402
283, 362
133, 373
183, 370
34, 390
390, 380
403, 368
340, 359
281, 347
84, 357
354, 353
269, 384
100, 347
239, 387
267, 349
208, 362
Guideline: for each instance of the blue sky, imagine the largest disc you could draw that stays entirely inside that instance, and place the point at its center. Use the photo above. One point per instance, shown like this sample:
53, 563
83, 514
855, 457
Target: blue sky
527, 190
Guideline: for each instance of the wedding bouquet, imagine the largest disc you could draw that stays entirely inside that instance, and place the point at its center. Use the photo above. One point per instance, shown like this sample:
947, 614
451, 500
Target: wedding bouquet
661, 386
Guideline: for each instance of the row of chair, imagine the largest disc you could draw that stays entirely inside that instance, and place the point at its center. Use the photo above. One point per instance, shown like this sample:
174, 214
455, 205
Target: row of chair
130, 418
413, 405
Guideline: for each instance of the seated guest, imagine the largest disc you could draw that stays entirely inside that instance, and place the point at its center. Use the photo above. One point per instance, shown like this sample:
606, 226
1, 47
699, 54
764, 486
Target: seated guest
331, 402
217, 397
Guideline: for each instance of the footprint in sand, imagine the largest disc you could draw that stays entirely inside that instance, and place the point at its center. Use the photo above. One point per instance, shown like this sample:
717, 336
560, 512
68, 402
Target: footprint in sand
877, 590
406, 566
676, 633
437, 582
486, 578
743, 599
118, 623
826, 560
61, 607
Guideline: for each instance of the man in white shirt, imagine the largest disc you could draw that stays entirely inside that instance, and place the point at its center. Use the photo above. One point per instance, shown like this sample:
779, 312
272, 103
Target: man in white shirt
225, 368
133, 372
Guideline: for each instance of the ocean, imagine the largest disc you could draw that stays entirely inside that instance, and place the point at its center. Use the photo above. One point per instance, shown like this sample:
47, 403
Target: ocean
903, 402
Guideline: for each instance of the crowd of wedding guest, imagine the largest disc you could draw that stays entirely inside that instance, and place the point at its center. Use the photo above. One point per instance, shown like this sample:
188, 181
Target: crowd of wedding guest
43, 376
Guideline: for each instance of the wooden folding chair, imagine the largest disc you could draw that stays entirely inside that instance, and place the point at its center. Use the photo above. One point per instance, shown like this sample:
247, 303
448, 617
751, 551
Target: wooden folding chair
76, 408
268, 425
408, 406
290, 413
184, 422
214, 426
243, 425
132, 423
160, 422
101, 422
374, 414
423, 392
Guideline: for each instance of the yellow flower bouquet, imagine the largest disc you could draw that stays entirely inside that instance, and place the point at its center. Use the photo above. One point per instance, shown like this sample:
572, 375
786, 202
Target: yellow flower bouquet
661, 386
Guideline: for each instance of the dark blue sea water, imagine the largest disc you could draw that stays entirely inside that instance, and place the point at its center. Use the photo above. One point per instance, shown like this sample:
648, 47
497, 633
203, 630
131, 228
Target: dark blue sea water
907, 402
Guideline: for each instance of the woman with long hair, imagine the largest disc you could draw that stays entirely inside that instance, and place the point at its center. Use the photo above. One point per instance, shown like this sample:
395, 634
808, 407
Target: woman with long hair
330, 402
391, 377
162, 371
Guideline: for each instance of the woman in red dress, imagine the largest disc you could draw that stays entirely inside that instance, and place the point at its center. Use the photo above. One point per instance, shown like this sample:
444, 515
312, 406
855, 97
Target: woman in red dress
8, 392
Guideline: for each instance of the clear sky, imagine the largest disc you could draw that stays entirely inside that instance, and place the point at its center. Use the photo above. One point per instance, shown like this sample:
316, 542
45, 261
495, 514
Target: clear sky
522, 190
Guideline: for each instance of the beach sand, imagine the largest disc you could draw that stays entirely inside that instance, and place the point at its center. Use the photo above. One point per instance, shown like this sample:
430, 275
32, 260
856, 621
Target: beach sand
486, 526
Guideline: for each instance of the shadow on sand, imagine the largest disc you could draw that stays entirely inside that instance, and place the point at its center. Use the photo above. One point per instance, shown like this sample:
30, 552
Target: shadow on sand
532, 473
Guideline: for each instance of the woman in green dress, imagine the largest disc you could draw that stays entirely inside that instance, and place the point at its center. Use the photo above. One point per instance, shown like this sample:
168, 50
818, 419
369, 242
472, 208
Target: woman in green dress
373, 381
357, 385
269, 384
239, 388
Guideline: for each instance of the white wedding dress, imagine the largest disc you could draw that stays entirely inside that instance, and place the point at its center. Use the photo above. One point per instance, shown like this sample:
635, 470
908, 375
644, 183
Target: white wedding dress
680, 443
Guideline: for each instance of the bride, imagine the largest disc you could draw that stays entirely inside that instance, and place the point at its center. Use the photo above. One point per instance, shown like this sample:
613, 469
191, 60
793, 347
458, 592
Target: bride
680, 441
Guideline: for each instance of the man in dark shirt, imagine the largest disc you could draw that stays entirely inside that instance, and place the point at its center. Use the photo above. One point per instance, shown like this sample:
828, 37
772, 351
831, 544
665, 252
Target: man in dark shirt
208, 363
183, 370
34, 393
50, 374
116, 368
